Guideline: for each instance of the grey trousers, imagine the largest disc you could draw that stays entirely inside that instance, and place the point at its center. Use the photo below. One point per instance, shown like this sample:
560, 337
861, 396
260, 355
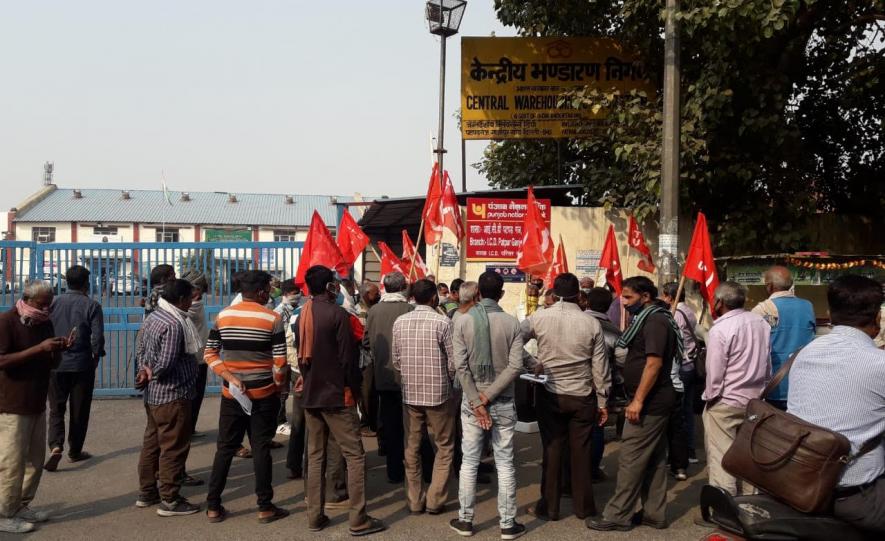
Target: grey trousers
865, 509
642, 472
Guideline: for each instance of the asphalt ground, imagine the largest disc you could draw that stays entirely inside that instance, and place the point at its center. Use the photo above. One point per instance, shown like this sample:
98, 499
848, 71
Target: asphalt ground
95, 499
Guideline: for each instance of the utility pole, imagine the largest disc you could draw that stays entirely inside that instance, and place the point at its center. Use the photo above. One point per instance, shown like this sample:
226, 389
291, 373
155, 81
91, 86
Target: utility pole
668, 240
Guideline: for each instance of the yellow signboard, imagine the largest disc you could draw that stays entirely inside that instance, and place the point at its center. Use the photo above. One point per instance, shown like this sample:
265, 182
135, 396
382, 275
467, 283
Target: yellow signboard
512, 88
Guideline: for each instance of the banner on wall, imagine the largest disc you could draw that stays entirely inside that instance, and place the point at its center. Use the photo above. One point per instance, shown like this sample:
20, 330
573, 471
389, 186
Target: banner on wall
494, 227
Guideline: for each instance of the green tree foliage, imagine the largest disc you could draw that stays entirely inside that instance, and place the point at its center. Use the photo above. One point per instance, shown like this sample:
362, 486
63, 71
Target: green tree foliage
783, 113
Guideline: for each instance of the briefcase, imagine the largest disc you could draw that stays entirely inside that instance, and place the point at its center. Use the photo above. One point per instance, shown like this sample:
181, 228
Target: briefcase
793, 460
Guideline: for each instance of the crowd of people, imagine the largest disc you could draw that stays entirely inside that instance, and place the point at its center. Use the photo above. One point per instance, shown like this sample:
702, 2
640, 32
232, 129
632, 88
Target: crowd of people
433, 371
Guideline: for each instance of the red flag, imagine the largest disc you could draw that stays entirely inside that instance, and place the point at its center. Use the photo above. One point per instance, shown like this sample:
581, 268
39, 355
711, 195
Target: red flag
536, 251
637, 242
441, 210
611, 261
433, 225
699, 264
409, 249
351, 240
449, 209
389, 261
319, 249
559, 266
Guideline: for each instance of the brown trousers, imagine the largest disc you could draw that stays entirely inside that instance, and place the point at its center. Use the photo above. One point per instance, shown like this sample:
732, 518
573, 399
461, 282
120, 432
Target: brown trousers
440, 423
167, 442
344, 425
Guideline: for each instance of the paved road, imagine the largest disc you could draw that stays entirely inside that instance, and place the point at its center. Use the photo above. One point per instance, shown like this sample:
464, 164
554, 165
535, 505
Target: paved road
94, 499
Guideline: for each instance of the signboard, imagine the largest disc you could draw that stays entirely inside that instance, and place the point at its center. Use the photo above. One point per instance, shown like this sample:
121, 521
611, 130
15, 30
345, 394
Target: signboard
587, 263
449, 256
494, 227
508, 272
512, 88
228, 235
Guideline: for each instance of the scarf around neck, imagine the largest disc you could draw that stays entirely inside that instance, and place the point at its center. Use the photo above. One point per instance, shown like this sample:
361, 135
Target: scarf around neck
305, 333
394, 297
482, 339
31, 316
639, 321
192, 342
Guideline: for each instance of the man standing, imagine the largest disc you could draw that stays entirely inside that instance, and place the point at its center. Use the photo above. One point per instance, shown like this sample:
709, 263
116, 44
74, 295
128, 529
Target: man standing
488, 358
571, 353
29, 350
453, 302
73, 380
170, 341
738, 368
378, 339
792, 324
368, 402
329, 363
653, 342
846, 365
598, 301
247, 348
422, 353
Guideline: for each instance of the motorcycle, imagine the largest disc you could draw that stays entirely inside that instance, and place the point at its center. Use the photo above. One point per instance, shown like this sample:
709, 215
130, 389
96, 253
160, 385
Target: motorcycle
762, 517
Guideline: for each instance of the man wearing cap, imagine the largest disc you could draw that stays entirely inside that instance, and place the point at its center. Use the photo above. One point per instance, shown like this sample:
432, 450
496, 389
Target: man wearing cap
572, 354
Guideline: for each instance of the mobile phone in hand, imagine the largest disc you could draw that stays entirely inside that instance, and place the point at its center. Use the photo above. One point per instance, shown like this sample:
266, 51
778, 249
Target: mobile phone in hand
72, 336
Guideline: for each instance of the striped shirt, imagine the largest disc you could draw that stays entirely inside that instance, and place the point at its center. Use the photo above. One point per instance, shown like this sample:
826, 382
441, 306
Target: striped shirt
423, 353
838, 382
249, 340
173, 371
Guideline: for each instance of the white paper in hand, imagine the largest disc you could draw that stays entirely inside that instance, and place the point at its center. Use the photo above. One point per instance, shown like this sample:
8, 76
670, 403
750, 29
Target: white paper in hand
542, 379
241, 397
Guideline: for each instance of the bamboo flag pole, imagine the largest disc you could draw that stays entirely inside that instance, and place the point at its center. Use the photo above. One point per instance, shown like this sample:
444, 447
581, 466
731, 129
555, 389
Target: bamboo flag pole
678, 294
374, 251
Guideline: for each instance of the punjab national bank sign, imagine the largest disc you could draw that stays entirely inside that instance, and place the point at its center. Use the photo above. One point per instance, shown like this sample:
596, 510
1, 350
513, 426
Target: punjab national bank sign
512, 88
494, 227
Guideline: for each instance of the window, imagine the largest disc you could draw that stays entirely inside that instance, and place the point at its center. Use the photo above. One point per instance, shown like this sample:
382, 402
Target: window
167, 235
43, 234
105, 230
284, 235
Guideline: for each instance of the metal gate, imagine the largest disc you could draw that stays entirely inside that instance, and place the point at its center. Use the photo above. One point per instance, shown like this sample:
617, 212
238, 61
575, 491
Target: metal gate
120, 280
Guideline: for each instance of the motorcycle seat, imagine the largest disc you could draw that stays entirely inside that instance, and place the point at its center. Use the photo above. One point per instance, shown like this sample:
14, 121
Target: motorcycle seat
762, 517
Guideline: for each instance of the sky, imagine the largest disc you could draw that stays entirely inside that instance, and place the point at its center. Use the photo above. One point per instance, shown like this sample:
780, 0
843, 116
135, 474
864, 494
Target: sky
279, 96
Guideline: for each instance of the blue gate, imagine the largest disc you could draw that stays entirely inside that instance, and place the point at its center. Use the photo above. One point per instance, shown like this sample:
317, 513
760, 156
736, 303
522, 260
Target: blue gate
120, 280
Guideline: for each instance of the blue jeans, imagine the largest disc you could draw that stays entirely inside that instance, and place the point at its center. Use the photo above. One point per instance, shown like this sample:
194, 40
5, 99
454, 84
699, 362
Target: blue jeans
503, 415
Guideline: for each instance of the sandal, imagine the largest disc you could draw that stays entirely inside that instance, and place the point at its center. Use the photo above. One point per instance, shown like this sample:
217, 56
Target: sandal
54, 459
373, 525
243, 452
79, 457
278, 513
222, 514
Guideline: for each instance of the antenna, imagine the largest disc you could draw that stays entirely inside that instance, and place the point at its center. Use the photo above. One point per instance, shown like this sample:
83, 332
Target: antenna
48, 167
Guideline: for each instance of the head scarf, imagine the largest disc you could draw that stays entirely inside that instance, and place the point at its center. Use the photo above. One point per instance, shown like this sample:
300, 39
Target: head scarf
31, 316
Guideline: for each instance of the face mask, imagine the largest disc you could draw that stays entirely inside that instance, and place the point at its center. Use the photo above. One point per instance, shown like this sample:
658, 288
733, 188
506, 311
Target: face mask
634, 309
339, 300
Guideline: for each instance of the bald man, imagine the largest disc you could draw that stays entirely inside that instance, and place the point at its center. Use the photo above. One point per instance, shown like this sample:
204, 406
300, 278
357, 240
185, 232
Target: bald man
792, 324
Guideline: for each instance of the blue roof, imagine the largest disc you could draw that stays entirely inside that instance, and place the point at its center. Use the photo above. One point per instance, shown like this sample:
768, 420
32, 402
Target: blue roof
149, 206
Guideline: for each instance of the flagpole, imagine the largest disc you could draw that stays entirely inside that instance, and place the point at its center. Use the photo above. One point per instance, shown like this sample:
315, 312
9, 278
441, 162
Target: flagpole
417, 244
678, 294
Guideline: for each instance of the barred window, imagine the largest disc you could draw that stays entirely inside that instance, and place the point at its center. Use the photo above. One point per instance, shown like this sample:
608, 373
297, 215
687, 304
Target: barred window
43, 234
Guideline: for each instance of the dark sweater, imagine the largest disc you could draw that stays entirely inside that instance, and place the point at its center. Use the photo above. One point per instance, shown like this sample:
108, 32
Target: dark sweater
23, 387
334, 365
379, 340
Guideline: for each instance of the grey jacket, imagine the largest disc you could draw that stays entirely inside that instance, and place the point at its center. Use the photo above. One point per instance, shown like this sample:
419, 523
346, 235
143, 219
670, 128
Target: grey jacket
378, 339
507, 356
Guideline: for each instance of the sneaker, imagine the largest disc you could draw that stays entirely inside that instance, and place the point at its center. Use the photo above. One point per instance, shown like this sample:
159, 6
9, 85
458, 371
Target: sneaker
177, 508
680, 475
284, 429
190, 481
15, 525
29, 515
517, 530
462, 527
54, 459
147, 500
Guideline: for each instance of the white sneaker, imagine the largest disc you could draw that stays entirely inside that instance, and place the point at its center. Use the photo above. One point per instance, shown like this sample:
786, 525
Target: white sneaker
284, 429
15, 525
29, 515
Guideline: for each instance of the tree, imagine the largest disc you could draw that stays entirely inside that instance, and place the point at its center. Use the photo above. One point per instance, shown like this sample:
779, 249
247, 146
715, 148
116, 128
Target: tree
783, 113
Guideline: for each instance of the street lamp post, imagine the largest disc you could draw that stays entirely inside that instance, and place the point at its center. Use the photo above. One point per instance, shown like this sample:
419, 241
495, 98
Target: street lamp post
444, 19
668, 241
